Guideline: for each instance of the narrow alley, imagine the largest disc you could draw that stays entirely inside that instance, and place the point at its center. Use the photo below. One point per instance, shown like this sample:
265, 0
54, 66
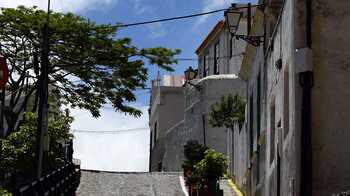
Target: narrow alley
136, 184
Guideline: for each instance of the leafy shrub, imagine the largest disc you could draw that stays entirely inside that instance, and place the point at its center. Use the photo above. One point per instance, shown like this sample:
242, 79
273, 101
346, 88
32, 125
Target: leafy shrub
4, 192
213, 166
194, 152
202, 166
18, 150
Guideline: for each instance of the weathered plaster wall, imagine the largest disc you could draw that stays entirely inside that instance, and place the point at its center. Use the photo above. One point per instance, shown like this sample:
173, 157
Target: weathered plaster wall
278, 82
175, 140
196, 106
213, 87
167, 110
330, 96
276, 109
239, 158
238, 48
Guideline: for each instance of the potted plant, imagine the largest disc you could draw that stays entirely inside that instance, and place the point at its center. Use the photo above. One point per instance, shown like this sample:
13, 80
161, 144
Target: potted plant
194, 152
209, 170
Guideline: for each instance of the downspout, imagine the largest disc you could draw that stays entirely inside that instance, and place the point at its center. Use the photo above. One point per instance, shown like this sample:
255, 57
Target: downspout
233, 152
306, 80
203, 119
150, 153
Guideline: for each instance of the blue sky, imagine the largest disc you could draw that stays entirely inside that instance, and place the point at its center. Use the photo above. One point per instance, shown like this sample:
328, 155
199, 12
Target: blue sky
128, 150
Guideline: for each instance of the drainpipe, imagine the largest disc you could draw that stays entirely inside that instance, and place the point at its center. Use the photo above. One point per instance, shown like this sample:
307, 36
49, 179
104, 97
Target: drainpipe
306, 80
233, 152
203, 118
150, 153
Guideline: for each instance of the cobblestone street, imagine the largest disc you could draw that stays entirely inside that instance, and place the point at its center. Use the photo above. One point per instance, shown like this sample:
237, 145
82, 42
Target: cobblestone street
129, 184
136, 184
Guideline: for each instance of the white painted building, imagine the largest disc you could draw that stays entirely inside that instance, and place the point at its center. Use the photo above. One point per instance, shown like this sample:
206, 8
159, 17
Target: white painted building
166, 109
218, 67
297, 104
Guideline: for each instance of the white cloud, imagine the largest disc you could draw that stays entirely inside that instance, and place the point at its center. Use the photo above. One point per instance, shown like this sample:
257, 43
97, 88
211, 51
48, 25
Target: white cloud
141, 8
62, 5
210, 5
109, 120
170, 3
157, 30
111, 151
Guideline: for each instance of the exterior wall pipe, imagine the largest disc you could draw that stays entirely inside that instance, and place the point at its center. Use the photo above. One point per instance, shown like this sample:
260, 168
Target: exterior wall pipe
203, 119
150, 152
306, 82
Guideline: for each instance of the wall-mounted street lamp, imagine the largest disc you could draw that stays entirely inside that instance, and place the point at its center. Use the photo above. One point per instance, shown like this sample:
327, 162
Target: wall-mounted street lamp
189, 75
233, 16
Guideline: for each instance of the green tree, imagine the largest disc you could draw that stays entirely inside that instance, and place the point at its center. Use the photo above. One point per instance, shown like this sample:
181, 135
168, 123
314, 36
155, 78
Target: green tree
18, 150
88, 65
226, 111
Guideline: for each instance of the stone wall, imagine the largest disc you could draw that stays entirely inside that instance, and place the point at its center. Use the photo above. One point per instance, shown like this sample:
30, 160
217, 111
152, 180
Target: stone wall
195, 124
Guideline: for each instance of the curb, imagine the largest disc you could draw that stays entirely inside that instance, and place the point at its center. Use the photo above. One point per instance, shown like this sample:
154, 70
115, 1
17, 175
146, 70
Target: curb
234, 187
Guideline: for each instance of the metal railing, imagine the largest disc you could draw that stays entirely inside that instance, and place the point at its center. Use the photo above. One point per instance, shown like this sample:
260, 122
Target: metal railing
17, 179
61, 181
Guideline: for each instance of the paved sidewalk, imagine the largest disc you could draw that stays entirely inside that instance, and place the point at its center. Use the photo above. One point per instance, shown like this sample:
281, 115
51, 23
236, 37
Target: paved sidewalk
228, 190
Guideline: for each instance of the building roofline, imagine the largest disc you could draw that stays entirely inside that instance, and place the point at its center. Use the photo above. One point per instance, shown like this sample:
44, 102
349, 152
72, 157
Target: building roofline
219, 26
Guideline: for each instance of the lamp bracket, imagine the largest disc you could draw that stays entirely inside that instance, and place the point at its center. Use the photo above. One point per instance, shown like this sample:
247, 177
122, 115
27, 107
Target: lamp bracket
255, 40
196, 86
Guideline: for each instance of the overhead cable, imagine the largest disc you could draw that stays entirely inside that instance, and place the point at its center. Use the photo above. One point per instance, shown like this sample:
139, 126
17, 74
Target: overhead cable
173, 18
147, 22
111, 131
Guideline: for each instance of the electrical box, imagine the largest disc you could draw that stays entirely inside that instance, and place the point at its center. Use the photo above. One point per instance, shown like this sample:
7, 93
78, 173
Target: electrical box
303, 60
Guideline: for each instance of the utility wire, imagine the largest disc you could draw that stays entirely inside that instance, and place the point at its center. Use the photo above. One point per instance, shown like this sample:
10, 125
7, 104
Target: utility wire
134, 106
168, 19
196, 59
149, 22
113, 131
163, 20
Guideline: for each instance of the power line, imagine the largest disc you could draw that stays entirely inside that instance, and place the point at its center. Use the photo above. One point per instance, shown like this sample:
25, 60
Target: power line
112, 131
196, 59
161, 20
148, 22
142, 93
168, 19
134, 106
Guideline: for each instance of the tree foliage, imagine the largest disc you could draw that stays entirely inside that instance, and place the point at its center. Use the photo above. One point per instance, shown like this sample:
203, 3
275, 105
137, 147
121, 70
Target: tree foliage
88, 65
194, 151
18, 150
226, 111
